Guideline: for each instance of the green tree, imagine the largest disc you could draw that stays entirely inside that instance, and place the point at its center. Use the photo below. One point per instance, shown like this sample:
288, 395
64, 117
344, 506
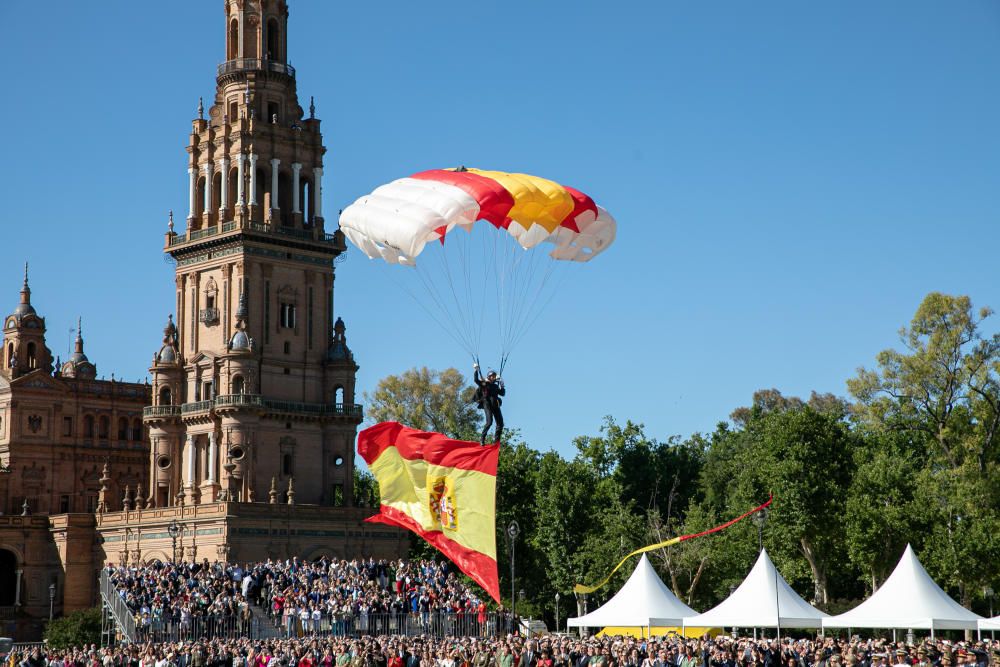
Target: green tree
77, 628
944, 389
803, 457
427, 400
886, 502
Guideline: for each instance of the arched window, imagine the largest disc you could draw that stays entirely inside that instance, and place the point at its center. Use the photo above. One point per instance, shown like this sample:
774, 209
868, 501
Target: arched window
217, 191
286, 465
165, 396
234, 39
123, 429
31, 355
234, 178
88, 426
136, 430
338, 396
273, 41
305, 203
104, 427
199, 201
239, 386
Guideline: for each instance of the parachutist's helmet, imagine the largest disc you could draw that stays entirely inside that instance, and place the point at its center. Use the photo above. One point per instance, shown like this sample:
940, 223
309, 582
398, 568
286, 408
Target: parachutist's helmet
491, 373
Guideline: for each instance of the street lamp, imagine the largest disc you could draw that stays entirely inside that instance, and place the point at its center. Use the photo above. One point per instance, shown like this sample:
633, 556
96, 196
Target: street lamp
513, 530
174, 530
557, 611
988, 592
759, 519
52, 600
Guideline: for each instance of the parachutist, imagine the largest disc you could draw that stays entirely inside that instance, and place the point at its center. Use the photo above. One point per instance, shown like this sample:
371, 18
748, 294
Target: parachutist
488, 394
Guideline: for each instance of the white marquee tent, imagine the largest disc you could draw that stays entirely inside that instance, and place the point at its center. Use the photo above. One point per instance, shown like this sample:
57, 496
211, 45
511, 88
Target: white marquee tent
763, 600
643, 601
909, 599
988, 624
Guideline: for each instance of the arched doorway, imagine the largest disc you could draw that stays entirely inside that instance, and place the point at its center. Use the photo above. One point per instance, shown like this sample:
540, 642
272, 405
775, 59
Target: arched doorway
8, 577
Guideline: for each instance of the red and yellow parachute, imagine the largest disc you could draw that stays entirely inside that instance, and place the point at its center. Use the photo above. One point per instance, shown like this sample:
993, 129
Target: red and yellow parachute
493, 280
398, 219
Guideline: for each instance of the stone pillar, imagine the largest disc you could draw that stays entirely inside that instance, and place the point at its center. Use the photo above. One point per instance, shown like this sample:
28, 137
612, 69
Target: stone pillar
296, 168
224, 194
193, 191
318, 192
189, 485
241, 161
275, 163
253, 179
213, 455
209, 485
17, 588
207, 168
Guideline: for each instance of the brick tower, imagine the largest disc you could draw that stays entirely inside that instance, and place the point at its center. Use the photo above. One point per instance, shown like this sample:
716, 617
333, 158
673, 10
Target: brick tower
253, 384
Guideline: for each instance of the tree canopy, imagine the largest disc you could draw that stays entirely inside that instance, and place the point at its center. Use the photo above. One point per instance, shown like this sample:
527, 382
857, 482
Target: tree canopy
910, 458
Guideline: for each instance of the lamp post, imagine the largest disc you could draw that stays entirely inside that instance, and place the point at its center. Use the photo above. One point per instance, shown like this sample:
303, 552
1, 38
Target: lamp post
174, 530
513, 530
988, 593
557, 611
760, 519
52, 600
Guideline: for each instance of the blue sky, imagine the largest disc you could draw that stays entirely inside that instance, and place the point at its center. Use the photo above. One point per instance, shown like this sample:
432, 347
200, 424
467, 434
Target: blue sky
789, 178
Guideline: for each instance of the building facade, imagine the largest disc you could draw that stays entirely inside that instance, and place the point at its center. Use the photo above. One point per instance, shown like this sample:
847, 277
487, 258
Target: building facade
241, 446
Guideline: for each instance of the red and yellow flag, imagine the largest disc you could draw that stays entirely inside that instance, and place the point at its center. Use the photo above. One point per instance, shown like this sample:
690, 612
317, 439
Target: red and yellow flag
443, 490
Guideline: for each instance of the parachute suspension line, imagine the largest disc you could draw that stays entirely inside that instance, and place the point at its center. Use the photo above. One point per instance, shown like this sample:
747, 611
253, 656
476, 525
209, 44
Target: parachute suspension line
552, 295
475, 324
434, 316
466, 325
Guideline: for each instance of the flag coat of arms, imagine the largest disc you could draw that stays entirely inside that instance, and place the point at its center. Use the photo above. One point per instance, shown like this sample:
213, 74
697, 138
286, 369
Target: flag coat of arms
443, 490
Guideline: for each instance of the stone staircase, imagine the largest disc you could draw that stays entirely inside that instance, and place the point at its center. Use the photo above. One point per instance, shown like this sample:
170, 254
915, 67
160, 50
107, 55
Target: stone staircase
263, 625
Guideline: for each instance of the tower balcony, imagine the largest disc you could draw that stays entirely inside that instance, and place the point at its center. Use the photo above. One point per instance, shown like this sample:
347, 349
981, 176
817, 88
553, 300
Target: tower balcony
266, 406
255, 65
160, 413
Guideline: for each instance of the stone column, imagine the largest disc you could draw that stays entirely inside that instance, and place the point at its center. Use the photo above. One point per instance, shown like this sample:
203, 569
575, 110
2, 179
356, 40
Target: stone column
17, 588
213, 455
189, 484
296, 168
318, 192
253, 179
209, 485
224, 194
275, 163
207, 169
193, 191
241, 161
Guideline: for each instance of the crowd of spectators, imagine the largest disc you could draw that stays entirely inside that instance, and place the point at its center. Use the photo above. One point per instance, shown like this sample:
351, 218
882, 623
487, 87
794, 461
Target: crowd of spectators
299, 597
515, 651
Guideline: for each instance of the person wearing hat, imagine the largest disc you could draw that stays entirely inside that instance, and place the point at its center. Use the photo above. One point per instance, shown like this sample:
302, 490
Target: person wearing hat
901, 660
488, 394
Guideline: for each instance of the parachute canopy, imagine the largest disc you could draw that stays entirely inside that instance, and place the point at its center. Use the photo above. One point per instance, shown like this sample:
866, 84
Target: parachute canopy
397, 220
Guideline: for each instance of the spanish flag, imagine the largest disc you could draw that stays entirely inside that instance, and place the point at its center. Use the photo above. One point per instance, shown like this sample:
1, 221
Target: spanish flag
443, 490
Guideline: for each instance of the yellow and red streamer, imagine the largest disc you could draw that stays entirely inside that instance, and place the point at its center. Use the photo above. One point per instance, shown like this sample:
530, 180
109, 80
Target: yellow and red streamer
580, 588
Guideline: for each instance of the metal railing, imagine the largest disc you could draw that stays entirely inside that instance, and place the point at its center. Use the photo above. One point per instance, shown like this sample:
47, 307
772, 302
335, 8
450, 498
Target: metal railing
199, 406
260, 64
152, 629
118, 609
232, 226
161, 411
208, 315
437, 624
290, 407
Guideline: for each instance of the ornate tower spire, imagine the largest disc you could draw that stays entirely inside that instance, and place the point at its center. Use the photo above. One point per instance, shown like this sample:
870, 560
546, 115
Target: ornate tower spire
24, 349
